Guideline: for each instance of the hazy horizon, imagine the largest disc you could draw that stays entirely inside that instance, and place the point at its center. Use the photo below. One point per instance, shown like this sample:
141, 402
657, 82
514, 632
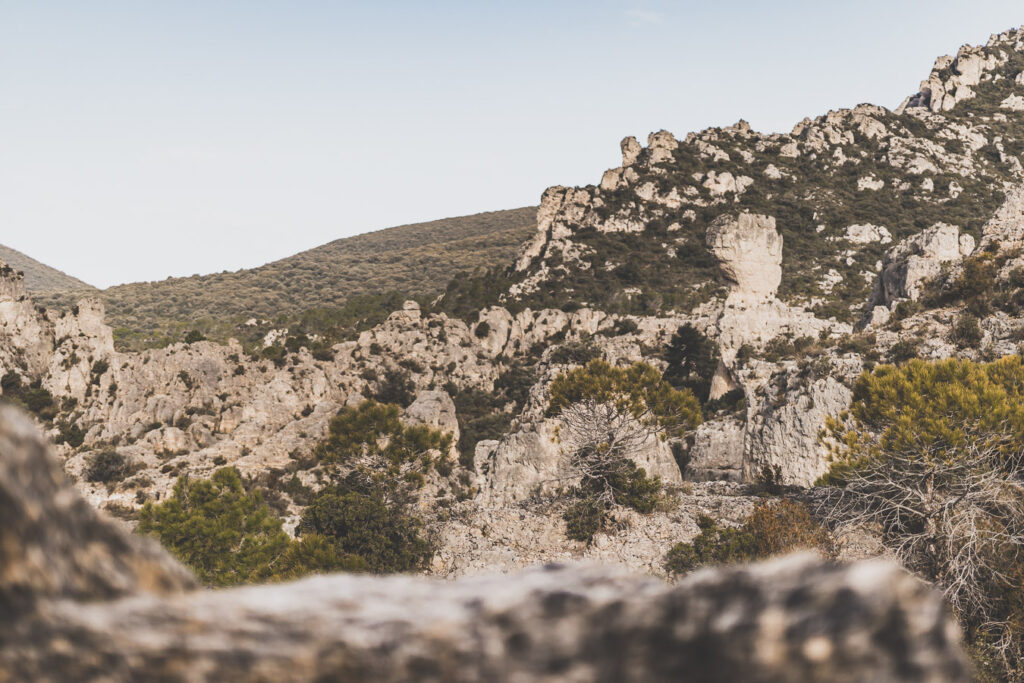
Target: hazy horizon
140, 143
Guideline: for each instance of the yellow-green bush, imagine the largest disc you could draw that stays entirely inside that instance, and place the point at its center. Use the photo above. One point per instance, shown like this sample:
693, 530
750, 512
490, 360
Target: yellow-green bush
772, 529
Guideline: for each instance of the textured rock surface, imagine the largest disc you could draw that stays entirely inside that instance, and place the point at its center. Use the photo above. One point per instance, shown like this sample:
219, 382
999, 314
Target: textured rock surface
915, 260
749, 249
790, 620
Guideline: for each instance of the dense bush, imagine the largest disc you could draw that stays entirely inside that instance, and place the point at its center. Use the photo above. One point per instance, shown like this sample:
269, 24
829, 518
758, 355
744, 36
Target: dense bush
227, 535
692, 361
31, 397
637, 391
366, 529
575, 353
772, 529
107, 466
583, 519
966, 332
375, 431
396, 387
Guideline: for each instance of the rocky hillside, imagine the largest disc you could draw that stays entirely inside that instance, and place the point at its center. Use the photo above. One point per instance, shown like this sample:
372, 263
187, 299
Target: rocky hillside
714, 309
74, 582
842, 187
40, 278
780, 358
410, 260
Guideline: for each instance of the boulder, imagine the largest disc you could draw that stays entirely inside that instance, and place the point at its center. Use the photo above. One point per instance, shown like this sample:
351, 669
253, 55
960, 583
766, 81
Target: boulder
717, 452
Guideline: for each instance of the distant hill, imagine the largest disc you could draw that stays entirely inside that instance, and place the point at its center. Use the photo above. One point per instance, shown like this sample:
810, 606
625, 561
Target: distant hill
411, 260
39, 277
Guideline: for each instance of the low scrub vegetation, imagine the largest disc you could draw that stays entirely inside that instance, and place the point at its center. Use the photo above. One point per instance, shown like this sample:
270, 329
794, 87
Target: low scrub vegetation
772, 529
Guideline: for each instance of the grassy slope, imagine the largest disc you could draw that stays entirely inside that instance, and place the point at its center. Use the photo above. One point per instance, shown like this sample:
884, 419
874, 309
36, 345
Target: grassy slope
416, 259
39, 277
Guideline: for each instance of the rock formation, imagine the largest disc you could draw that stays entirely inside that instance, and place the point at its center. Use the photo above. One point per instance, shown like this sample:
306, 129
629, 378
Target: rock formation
749, 249
917, 259
89, 608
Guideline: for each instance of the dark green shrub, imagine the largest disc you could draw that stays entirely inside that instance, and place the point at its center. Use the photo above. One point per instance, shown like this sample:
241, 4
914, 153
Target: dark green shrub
32, 397
106, 467
904, 350
692, 361
482, 329
575, 353
70, 433
386, 538
396, 387
583, 519
225, 534
966, 332
194, 336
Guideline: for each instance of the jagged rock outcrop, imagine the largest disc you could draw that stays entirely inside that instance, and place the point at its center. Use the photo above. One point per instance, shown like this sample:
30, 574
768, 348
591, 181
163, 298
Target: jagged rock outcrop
953, 78
89, 607
717, 451
784, 426
917, 259
1005, 230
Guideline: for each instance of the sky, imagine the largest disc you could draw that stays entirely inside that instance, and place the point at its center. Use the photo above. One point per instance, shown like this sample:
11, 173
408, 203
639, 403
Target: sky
142, 139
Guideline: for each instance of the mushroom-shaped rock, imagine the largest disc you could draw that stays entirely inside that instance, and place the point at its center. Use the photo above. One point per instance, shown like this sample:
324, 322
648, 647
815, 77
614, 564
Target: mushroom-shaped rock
749, 251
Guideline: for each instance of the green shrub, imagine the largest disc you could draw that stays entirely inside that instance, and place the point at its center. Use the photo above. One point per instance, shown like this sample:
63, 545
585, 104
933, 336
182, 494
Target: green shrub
638, 390
32, 397
69, 433
692, 361
313, 554
106, 467
583, 519
225, 534
396, 387
930, 452
904, 350
376, 430
966, 332
384, 537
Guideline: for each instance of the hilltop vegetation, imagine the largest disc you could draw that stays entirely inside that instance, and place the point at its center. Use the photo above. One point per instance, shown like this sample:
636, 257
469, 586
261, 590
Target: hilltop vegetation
378, 268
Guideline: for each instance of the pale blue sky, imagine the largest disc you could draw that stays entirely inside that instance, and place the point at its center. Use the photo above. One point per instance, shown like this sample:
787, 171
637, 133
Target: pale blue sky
142, 139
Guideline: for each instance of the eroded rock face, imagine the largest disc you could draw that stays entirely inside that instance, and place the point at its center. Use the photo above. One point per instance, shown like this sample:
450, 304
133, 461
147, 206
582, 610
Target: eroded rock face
918, 258
783, 430
1006, 228
952, 80
749, 250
